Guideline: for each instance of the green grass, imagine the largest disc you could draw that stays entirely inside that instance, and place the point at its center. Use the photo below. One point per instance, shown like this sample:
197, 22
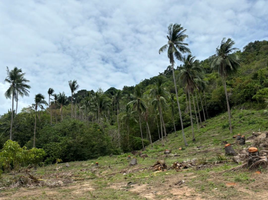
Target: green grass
207, 150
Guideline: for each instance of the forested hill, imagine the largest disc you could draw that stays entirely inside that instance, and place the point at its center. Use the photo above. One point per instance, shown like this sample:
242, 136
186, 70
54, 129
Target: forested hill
95, 123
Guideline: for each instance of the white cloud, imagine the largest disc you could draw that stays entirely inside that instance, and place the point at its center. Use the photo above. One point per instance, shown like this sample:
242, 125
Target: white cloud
104, 44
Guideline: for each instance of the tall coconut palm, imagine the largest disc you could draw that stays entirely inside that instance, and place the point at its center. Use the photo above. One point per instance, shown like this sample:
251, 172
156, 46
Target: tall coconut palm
138, 105
159, 95
188, 73
39, 101
18, 86
50, 92
174, 47
62, 100
226, 63
73, 87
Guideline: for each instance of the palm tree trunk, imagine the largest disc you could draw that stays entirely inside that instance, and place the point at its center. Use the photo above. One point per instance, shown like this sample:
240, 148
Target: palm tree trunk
17, 103
159, 136
191, 115
202, 107
34, 128
161, 124
162, 119
141, 131
198, 109
228, 106
205, 104
11, 121
149, 132
176, 91
197, 121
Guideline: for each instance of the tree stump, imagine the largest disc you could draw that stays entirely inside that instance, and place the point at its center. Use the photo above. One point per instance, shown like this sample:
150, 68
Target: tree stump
242, 140
167, 151
229, 151
133, 162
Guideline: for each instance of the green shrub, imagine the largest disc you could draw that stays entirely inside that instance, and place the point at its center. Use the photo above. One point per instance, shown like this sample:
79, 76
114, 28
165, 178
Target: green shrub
12, 156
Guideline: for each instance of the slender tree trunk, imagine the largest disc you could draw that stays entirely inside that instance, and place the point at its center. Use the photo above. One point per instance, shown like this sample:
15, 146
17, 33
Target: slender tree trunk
12, 118
191, 115
17, 103
205, 104
159, 136
162, 120
228, 106
50, 111
141, 131
161, 125
198, 109
202, 107
34, 128
176, 91
197, 121
149, 132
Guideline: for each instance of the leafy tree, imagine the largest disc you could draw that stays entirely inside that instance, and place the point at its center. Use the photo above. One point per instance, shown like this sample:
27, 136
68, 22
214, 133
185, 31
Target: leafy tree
17, 87
50, 92
73, 86
39, 100
226, 63
174, 47
188, 73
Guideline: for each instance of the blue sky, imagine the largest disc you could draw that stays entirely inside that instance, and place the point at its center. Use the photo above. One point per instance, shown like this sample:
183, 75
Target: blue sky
112, 43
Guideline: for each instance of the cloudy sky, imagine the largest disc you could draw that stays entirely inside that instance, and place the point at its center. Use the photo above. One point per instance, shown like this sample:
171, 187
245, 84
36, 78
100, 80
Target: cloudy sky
112, 43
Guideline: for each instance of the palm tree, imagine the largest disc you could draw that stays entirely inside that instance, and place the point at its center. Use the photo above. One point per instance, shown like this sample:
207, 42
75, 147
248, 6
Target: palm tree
50, 92
188, 73
73, 86
17, 87
101, 102
117, 98
160, 95
226, 63
174, 48
39, 100
62, 100
138, 105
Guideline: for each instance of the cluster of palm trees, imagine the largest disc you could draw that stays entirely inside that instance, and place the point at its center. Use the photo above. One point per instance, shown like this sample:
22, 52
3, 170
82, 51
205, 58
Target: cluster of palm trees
191, 74
96, 104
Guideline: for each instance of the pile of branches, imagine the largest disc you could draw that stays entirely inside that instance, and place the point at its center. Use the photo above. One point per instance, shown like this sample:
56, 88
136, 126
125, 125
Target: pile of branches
160, 165
183, 165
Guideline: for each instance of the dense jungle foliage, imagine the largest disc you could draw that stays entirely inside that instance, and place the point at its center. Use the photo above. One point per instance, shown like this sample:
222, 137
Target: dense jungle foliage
91, 123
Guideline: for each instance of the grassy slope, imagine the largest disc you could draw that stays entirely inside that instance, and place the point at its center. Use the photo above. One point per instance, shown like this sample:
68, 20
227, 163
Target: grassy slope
108, 181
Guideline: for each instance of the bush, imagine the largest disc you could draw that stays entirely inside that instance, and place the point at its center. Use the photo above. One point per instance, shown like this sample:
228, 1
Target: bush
12, 156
